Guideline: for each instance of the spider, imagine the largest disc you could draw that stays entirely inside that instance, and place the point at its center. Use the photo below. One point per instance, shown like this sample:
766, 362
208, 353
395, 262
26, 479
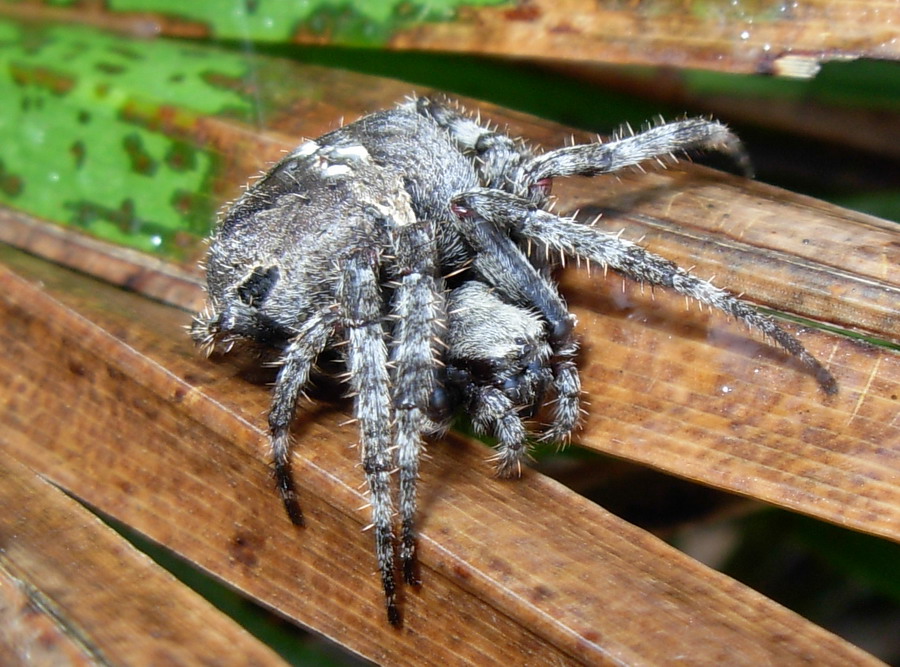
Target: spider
415, 242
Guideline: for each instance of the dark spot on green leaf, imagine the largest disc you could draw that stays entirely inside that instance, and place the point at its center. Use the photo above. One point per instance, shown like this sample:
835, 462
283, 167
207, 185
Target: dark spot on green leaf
27, 103
343, 22
194, 209
110, 68
86, 212
181, 156
84, 117
126, 52
78, 151
219, 80
125, 218
141, 161
10, 184
41, 77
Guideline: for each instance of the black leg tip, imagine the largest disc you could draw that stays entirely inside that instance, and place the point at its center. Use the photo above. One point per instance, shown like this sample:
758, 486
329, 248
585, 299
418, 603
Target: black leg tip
827, 382
410, 573
295, 514
393, 616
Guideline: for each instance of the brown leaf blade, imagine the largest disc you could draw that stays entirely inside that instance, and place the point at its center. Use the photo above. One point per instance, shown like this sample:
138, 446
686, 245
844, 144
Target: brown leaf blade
782, 250
738, 415
85, 596
109, 400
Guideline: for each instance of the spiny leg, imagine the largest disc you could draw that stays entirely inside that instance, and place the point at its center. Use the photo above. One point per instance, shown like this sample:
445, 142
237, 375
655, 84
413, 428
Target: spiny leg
631, 260
361, 304
495, 155
567, 404
499, 358
419, 313
493, 411
656, 142
296, 363
507, 268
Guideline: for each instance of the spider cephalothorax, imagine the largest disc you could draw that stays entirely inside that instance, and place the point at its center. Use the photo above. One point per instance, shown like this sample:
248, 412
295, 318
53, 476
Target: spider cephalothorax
404, 240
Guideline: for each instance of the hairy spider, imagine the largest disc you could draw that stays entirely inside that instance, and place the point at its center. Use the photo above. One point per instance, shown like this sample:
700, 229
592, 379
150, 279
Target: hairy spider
404, 241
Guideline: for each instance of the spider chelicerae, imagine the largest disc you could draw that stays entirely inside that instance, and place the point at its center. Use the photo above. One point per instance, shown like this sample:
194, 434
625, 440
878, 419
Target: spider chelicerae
416, 242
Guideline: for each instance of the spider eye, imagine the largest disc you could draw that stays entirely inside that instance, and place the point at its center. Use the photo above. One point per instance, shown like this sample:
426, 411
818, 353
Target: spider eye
254, 290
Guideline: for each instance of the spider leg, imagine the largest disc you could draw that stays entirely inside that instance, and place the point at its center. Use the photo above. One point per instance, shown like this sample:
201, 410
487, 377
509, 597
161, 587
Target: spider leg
629, 259
507, 268
492, 410
296, 363
656, 142
567, 407
359, 294
495, 155
419, 312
